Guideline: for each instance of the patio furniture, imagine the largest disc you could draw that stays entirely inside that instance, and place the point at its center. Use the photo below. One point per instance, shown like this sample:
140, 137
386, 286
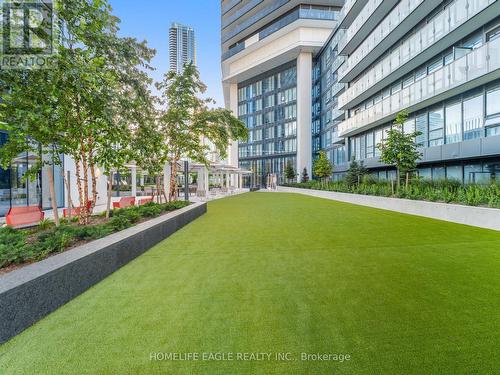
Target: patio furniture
124, 202
24, 216
76, 210
143, 201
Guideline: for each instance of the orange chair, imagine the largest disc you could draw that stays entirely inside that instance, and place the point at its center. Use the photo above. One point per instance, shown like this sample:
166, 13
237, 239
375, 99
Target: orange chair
124, 202
145, 200
76, 210
24, 216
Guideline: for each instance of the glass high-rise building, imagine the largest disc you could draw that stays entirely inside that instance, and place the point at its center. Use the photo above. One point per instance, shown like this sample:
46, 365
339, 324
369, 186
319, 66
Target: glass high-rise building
357, 66
182, 46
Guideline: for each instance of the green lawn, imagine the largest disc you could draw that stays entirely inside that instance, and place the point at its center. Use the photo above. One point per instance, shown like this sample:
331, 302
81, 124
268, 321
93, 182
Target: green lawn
286, 273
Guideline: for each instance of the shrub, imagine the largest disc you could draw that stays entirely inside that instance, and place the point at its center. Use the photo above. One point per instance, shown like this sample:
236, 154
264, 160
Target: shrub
15, 247
45, 224
449, 191
12, 246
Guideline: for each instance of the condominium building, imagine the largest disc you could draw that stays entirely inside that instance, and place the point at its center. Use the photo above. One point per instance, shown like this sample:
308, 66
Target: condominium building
440, 61
267, 58
182, 46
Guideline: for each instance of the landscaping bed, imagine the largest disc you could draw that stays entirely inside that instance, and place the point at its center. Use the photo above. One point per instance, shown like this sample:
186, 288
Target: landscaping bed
24, 246
445, 191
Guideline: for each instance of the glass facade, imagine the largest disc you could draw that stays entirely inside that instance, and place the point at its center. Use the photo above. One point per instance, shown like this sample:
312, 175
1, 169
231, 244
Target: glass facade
17, 190
326, 115
268, 107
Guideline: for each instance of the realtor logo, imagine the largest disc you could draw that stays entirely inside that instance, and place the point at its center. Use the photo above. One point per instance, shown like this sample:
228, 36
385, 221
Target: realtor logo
28, 39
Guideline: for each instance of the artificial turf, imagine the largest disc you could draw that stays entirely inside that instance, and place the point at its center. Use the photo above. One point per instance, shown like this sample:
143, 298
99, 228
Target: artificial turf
269, 272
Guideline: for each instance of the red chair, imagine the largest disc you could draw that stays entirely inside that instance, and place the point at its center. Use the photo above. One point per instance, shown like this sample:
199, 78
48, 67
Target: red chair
124, 202
24, 216
145, 200
76, 210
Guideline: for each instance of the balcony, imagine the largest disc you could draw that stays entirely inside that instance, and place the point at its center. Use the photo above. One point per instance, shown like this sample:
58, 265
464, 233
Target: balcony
364, 23
424, 43
401, 19
302, 12
472, 70
349, 12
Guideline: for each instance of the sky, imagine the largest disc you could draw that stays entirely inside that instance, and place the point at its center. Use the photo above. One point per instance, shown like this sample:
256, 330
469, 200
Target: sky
150, 20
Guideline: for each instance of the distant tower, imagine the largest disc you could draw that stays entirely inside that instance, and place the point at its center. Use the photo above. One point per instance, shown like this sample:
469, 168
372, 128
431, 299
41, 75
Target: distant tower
182, 47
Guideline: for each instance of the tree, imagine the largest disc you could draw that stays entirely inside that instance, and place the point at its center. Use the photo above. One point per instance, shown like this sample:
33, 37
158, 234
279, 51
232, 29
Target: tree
289, 171
305, 177
28, 115
399, 149
188, 122
355, 173
322, 168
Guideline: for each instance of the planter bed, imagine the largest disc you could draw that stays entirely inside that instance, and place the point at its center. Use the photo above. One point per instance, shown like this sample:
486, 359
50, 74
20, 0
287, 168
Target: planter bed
32, 292
482, 217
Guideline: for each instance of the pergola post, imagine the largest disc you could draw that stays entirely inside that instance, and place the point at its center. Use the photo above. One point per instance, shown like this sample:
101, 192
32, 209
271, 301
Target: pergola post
186, 180
133, 173
206, 177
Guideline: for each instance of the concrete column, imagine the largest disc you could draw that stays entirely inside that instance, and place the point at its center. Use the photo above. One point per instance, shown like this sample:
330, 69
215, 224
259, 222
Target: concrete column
233, 145
206, 178
240, 181
133, 173
304, 100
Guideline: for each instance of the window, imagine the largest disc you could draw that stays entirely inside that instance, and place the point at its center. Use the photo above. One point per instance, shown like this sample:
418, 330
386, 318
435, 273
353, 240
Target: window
258, 88
454, 172
436, 124
242, 110
242, 94
435, 65
369, 145
378, 140
269, 117
408, 81
493, 102
409, 126
421, 127
258, 105
268, 84
269, 101
290, 129
438, 173
492, 35
473, 117
258, 120
454, 123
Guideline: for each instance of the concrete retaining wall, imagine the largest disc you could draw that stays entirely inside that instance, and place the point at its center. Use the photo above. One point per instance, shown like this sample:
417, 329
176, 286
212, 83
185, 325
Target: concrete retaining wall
488, 218
32, 292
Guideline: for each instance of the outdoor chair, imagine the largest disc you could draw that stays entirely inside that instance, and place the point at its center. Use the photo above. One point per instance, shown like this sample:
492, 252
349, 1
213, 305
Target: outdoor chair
24, 216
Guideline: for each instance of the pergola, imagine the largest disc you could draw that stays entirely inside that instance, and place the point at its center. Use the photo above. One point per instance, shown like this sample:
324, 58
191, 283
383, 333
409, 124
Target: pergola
233, 176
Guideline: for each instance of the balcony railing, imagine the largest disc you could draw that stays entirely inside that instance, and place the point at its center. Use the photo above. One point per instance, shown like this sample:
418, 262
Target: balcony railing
360, 20
476, 64
455, 15
299, 13
399, 13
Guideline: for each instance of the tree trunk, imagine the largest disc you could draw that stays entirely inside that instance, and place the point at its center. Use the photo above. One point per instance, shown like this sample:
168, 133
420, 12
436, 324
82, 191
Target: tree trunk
110, 190
70, 201
173, 187
79, 186
407, 179
52, 191
158, 188
85, 213
94, 186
